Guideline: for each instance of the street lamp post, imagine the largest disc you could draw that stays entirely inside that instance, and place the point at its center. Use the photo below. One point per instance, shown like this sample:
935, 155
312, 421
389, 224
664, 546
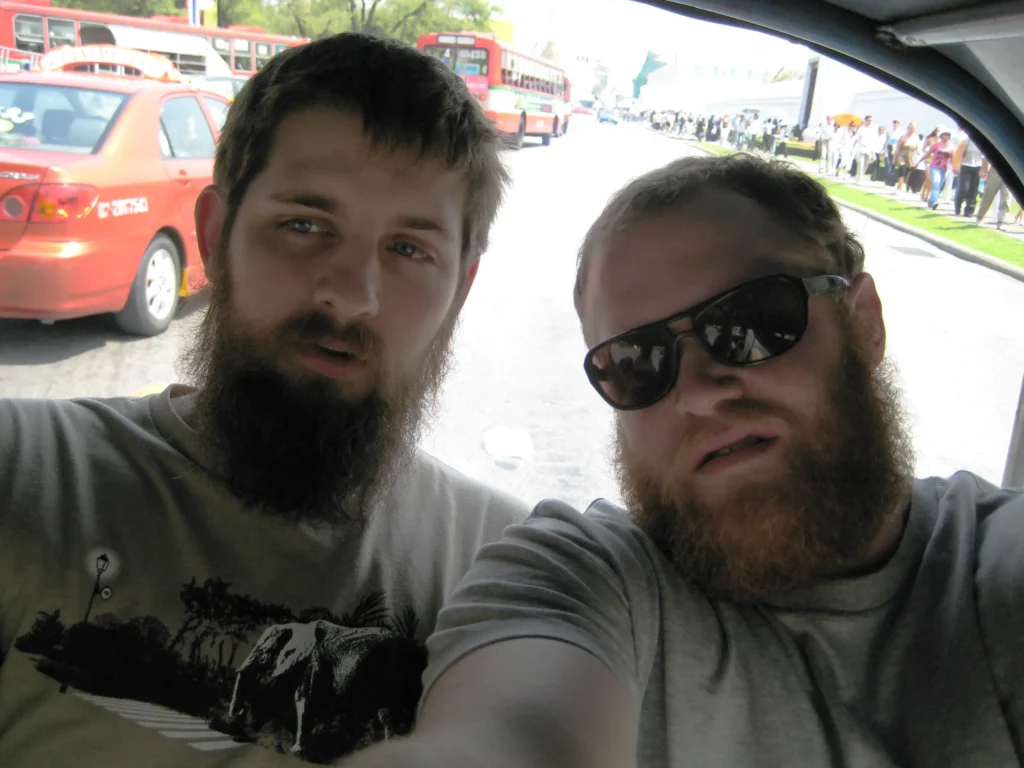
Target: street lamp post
102, 564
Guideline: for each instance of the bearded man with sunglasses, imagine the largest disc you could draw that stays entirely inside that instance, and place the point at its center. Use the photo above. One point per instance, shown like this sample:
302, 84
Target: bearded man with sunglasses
781, 590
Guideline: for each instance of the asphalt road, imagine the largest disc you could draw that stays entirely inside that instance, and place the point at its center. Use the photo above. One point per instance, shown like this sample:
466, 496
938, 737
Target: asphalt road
517, 410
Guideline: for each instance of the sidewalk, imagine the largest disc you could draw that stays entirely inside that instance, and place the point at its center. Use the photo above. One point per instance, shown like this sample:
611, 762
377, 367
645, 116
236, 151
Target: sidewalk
1001, 250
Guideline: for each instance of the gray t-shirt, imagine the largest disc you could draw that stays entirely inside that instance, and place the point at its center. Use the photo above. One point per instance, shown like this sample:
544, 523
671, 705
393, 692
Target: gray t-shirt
188, 628
919, 663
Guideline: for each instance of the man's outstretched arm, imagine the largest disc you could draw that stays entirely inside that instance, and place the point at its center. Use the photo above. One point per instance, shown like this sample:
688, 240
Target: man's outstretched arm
523, 703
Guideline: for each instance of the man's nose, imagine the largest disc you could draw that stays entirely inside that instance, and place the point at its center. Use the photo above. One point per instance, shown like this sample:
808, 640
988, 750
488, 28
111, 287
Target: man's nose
349, 283
703, 384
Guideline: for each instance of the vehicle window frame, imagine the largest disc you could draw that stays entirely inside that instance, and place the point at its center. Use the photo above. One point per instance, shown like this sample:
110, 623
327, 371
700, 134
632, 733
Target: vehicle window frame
205, 99
261, 59
247, 53
35, 90
42, 32
205, 121
224, 54
50, 20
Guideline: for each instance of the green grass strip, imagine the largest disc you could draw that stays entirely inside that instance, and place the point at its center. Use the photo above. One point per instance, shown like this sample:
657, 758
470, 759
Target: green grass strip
960, 231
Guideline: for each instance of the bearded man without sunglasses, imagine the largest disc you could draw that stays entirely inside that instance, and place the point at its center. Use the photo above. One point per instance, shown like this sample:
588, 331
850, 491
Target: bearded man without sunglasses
781, 591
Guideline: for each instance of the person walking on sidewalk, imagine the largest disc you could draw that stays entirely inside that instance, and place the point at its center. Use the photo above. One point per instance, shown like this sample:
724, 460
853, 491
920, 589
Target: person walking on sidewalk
930, 139
941, 154
994, 187
890, 148
967, 161
826, 131
906, 147
864, 141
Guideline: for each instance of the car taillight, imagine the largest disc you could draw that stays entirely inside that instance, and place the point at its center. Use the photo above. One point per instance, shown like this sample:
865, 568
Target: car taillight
48, 203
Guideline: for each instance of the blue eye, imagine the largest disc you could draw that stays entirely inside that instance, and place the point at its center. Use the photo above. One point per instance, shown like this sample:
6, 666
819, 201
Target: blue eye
304, 226
408, 250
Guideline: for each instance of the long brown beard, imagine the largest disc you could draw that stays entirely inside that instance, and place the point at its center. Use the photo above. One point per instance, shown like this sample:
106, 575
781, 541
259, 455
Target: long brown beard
845, 475
293, 447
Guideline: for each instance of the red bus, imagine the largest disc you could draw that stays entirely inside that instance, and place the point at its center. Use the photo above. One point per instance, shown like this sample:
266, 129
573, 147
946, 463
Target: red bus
524, 95
31, 28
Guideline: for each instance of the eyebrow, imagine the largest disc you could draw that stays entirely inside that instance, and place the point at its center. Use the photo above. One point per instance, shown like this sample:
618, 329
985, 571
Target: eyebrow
307, 200
424, 224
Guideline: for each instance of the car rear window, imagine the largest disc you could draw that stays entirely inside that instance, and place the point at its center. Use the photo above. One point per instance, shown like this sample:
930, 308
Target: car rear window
55, 118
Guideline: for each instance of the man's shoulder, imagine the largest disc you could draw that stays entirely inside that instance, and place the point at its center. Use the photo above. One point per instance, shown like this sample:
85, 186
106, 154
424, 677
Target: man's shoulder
966, 492
996, 516
25, 423
604, 529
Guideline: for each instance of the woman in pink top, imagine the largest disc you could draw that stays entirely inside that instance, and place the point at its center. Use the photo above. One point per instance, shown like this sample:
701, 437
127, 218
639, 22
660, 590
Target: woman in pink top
941, 153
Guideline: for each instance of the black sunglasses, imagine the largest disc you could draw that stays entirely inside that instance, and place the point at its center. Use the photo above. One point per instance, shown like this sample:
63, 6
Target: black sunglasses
744, 326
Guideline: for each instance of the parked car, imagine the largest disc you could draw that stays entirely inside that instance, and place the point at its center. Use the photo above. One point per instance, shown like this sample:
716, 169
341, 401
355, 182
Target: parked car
99, 175
607, 115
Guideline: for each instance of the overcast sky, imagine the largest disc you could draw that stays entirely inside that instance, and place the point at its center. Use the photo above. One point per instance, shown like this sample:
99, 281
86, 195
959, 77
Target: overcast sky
620, 32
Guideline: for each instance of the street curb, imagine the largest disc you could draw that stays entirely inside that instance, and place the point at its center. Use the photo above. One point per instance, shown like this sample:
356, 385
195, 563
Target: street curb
954, 249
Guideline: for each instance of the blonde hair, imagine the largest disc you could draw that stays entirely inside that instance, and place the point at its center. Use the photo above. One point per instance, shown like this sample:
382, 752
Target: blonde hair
798, 201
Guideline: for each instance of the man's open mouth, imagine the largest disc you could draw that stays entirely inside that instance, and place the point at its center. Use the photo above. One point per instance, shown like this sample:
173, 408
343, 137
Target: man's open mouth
740, 445
337, 354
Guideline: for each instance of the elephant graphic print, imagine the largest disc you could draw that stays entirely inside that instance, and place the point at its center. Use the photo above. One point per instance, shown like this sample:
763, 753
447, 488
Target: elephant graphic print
312, 684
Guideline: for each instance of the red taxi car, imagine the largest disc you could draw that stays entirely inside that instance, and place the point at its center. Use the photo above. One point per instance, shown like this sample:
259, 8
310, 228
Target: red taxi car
99, 174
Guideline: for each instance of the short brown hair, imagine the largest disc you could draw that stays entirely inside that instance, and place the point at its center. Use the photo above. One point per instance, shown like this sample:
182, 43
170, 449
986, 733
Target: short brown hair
407, 100
798, 201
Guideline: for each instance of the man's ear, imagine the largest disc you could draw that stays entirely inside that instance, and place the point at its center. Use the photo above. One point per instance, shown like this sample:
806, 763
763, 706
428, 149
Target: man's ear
210, 213
467, 284
866, 309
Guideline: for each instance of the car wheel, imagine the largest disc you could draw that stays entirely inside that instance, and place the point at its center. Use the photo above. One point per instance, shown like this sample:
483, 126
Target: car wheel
154, 295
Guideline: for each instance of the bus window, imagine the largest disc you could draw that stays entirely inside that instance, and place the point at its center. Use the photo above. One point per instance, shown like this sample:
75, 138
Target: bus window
61, 32
91, 33
243, 56
280, 47
467, 61
263, 54
28, 33
223, 47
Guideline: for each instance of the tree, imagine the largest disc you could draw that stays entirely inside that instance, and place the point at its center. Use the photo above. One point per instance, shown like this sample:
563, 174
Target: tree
550, 51
249, 12
401, 19
651, 63
143, 8
786, 74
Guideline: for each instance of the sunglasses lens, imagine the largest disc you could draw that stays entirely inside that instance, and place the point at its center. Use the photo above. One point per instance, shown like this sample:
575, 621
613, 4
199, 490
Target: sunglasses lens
755, 323
631, 371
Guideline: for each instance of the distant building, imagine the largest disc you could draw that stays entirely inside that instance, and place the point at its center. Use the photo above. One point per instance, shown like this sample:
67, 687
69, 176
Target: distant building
828, 88
689, 82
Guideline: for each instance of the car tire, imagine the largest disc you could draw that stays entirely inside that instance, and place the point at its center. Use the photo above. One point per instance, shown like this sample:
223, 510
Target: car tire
154, 295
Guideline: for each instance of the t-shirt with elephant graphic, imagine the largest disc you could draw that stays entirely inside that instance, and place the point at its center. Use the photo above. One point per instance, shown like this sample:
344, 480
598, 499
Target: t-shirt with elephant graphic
148, 619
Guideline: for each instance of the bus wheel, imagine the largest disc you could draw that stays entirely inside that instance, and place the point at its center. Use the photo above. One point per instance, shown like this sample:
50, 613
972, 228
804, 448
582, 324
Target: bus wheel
553, 135
520, 134
154, 295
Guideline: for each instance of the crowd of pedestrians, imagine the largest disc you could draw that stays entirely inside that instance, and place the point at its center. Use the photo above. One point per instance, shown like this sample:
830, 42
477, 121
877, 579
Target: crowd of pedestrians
941, 166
